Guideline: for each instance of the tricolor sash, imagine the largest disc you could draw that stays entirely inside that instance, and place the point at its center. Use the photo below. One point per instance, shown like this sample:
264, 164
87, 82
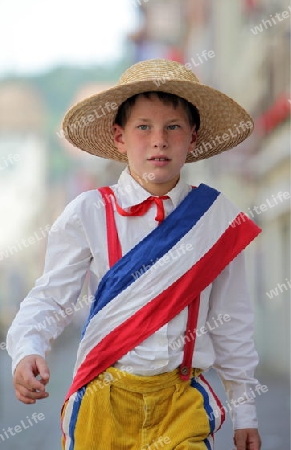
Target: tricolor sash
159, 277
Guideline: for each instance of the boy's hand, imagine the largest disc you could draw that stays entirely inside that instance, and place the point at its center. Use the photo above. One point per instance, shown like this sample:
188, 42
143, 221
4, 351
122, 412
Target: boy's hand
28, 388
247, 439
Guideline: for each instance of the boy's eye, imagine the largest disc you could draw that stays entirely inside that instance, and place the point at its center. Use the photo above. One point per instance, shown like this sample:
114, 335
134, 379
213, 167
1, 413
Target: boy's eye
143, 127
173, 127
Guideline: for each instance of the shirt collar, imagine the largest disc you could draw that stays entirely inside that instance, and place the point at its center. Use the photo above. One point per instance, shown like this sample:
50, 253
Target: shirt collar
129, 192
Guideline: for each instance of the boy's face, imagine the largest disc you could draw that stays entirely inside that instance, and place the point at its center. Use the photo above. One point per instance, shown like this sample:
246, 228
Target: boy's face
156, 139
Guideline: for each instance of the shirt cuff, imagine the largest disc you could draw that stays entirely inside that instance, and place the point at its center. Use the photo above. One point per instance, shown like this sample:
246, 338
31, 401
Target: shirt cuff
244, 416
241, 403
17, 354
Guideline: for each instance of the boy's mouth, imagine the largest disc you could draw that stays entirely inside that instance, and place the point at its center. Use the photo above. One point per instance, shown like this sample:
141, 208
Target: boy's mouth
159, 158
159, 161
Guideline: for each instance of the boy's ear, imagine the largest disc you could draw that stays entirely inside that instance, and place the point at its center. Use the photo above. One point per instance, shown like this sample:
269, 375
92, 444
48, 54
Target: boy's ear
193, 140
118, 138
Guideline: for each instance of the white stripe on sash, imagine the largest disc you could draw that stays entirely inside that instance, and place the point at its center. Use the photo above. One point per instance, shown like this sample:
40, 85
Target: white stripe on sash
202, 237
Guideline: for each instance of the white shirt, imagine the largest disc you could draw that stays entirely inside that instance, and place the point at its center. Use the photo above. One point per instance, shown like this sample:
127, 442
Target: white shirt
77, 245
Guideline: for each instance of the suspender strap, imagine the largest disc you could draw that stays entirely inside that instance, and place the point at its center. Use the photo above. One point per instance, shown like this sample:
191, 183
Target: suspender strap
186, 366
113, 242
115, 253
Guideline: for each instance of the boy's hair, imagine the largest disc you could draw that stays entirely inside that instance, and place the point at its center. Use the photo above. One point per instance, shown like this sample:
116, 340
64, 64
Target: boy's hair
191, 111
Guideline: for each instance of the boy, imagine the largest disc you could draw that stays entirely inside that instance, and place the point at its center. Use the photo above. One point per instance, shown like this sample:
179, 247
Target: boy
167, 264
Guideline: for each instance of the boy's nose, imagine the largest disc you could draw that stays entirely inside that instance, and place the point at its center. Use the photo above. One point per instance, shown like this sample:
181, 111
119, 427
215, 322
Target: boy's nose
160, 140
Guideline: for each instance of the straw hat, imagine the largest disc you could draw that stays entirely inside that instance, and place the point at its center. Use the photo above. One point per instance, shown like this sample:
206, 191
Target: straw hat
224, 123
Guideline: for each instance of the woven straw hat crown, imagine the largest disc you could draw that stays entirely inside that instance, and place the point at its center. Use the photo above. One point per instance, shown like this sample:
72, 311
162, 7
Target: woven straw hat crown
224, 123
150, 70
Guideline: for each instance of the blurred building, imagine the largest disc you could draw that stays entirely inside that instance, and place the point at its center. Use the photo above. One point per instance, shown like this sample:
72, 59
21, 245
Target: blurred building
23, 151
253, 67
160, 31
269, 167
251, 43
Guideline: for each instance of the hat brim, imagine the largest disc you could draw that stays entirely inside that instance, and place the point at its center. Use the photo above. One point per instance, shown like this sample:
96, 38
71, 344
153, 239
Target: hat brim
224, 123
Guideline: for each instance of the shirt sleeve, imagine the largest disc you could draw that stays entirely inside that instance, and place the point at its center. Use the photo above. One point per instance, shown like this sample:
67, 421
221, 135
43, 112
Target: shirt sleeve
47, 309
236, 357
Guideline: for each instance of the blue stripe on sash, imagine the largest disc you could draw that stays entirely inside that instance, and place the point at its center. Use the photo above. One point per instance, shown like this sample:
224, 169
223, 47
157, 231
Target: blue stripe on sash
208, 445
144, 254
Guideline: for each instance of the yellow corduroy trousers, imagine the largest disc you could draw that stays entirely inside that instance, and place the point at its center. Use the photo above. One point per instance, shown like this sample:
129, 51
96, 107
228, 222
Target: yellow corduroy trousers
121, 411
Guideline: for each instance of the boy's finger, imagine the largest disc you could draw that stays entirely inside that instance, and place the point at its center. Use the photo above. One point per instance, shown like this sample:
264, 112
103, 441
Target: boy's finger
43, 370
32, 395
29, 381
240, 440
25, 400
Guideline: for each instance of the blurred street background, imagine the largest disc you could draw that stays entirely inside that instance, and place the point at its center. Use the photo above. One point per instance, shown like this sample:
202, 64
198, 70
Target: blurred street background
52, 55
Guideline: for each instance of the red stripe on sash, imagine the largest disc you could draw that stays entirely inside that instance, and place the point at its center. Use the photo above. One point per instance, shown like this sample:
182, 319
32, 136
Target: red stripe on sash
166, 305
115, 253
